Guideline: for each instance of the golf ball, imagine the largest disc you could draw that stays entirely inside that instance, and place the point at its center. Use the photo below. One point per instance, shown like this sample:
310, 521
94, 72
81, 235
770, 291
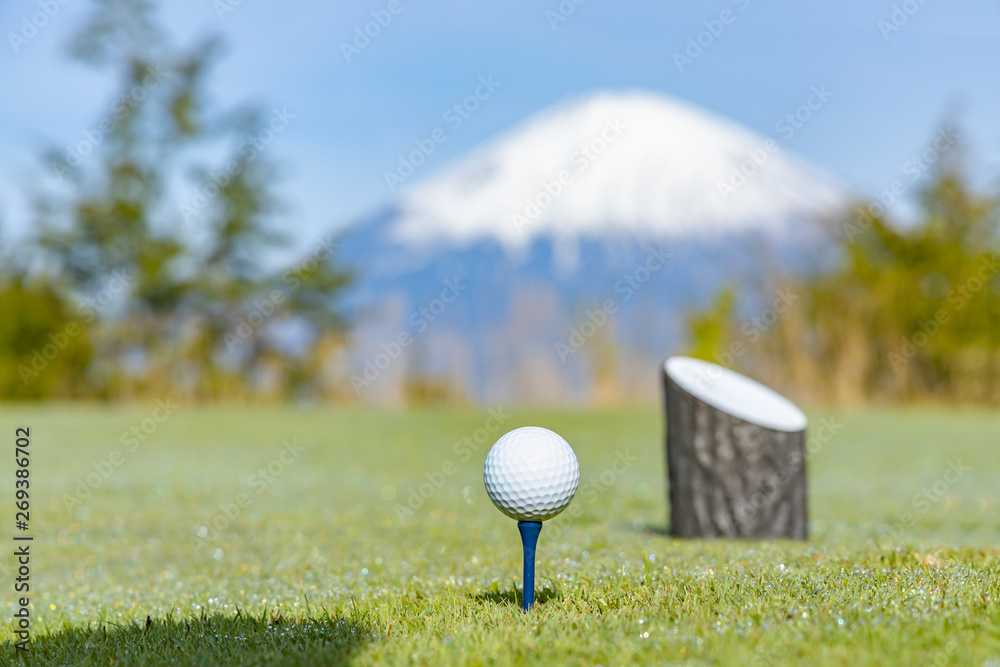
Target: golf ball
531, 474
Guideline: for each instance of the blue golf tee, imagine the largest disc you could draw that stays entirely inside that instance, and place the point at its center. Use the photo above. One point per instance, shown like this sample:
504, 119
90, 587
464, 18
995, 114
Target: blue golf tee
529, 539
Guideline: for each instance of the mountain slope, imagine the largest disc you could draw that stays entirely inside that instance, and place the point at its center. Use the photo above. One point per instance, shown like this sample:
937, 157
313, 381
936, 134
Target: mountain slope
631, 162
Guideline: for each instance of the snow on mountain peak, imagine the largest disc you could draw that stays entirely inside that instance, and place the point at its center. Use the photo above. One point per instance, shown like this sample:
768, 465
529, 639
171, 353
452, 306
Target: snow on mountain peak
612, 163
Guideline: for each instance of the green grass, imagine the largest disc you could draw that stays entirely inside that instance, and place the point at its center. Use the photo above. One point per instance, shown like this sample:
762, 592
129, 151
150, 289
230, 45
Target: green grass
320, 569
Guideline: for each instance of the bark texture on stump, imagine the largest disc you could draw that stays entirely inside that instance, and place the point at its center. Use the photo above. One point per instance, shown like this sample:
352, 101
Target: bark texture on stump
729, 477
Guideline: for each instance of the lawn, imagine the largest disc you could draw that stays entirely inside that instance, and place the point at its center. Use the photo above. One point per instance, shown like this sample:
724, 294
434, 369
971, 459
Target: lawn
321, 536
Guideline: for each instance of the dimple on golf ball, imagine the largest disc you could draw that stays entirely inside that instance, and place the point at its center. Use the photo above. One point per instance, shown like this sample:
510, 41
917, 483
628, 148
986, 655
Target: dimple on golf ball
531, 474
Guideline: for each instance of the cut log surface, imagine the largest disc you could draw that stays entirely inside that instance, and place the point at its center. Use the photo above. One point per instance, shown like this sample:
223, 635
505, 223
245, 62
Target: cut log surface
735, 455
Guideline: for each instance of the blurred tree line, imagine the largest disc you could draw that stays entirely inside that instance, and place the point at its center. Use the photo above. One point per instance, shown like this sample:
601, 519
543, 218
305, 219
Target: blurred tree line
907, 313
130, 287
146, 272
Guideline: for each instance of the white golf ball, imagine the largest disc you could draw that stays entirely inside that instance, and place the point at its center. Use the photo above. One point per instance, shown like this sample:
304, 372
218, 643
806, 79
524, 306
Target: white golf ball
531, 474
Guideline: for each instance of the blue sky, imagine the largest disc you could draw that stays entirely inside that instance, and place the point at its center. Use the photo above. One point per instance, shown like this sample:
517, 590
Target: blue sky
352, 119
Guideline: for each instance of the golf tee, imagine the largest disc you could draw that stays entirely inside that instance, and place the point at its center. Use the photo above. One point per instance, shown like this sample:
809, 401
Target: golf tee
529, 539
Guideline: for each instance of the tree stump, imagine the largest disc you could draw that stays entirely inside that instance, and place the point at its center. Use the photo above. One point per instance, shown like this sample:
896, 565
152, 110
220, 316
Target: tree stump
735, 455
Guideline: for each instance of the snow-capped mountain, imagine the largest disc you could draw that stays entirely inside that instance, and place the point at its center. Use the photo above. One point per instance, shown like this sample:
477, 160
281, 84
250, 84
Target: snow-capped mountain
552, 218
637, 163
